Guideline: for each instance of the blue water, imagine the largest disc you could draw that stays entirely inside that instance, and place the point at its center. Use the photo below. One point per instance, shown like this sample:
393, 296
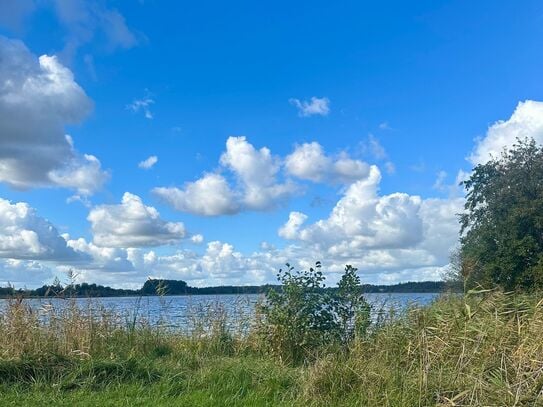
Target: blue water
193, 312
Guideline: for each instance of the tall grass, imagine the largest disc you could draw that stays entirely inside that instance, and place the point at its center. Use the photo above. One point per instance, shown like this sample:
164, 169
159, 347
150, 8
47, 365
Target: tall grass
479, 350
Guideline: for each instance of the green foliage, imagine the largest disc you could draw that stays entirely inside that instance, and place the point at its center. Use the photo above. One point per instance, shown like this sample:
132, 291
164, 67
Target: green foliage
351, 309
163, 287
303, 317
502, 226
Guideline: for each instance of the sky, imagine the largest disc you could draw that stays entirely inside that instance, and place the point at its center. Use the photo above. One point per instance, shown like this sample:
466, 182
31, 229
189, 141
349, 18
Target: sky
214, 142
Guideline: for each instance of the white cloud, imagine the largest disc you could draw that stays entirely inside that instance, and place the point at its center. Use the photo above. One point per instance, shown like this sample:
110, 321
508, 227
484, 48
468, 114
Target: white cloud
257, 188
110, 259
379, 234
390, 238
526, 121
209, 196
197, 239
132, 224
23, 273
368, 220
148, 163
290, 229
257, 172
219, 264
143, 106
84, 174
25, 235
308, 161
38, 97
315, 106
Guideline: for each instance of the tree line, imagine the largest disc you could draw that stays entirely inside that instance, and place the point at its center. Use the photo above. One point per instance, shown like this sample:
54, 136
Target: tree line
180, 287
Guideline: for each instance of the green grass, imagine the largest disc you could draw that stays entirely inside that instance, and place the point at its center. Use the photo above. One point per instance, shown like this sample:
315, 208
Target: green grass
480, 351
175, 380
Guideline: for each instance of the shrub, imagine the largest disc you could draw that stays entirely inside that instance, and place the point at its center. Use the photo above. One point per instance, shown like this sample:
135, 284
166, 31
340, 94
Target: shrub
303, 317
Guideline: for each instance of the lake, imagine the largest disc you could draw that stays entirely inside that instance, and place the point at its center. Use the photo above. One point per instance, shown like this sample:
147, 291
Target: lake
191, 312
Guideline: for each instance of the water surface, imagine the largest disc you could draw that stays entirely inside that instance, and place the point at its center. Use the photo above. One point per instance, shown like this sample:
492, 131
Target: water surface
186, 312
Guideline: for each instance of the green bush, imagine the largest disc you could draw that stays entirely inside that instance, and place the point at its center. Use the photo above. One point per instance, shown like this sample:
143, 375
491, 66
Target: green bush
302, 317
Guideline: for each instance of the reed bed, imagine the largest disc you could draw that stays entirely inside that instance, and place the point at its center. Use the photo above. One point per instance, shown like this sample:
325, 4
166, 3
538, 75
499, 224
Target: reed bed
477, 350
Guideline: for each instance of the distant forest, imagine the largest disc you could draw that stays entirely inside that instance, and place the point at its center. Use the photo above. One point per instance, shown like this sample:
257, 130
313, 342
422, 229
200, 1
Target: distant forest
179, 287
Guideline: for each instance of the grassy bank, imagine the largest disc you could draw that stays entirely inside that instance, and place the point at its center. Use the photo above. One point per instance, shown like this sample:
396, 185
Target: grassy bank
483, 350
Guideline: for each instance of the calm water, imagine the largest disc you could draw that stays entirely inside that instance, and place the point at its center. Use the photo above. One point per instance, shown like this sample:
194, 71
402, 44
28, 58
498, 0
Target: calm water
185, 312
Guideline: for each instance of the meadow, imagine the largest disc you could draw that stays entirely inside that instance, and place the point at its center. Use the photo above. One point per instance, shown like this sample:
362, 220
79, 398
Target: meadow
481, 349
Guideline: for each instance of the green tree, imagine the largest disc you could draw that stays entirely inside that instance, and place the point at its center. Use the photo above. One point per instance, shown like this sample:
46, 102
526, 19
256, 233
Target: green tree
502, 226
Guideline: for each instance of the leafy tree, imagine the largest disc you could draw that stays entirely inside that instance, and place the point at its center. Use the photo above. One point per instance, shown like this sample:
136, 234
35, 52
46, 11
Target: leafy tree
502, 226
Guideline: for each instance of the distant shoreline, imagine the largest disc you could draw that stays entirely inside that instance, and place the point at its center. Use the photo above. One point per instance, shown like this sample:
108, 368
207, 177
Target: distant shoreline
154, 287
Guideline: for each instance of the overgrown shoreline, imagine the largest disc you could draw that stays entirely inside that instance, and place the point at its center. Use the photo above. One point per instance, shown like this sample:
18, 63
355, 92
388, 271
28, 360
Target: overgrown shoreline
481, 349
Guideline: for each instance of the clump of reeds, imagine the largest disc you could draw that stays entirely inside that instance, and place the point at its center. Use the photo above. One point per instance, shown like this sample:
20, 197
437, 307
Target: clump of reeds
479, 350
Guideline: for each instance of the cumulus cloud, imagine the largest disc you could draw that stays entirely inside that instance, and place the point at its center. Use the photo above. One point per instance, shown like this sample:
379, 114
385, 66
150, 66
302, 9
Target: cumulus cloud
82, 173
209, 196
148, 163
257, 187
219, 264
526, 121
312, 107
390, 238
367, 219
110, 259
26, 235
24, 273
132, 224
256, 171
379, 232
38, 97
291, 228
197, 239
308, 161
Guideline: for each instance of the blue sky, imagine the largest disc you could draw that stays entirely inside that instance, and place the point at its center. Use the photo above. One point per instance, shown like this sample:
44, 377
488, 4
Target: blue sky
415, 89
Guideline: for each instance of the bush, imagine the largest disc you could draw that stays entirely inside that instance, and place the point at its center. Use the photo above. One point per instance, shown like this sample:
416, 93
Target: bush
301, 318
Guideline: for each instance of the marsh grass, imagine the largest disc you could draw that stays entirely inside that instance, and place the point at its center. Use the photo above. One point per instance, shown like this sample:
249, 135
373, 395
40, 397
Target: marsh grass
484, 349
